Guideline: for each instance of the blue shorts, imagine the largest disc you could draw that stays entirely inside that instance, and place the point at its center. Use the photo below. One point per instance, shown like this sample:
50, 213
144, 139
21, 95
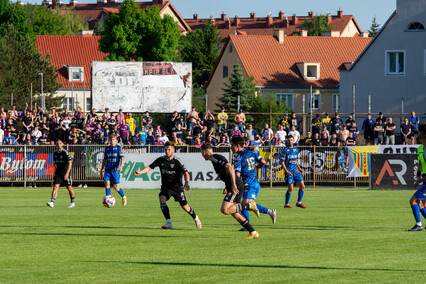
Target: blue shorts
420, 194
112, 176
295, 178
251, 191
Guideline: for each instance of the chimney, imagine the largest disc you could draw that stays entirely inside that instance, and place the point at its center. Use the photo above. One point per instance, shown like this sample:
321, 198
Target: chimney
252, 16
73, 3
158, 2
195, 17
280, 35
46, 2
212, 20
281, 15
228, 24
84, 33
223, 17
339, 13
304, 33
269, 21
364, 34
294, 19
101, 2
311, 14
331, 34
236, 21
285, 23
329, 18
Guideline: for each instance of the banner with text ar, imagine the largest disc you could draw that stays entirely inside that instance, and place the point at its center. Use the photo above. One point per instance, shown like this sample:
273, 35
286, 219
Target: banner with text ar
393, 171
201, 172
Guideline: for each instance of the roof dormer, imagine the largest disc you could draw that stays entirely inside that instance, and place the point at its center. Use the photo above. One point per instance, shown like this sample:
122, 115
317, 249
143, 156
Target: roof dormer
309, 71
75, 73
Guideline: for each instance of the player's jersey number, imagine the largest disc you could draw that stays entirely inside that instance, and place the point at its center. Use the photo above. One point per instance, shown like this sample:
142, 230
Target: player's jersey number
251, 163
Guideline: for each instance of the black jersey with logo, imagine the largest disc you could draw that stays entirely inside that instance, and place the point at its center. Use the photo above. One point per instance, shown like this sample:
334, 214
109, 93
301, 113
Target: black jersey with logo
61, 160
171, 171
219, 162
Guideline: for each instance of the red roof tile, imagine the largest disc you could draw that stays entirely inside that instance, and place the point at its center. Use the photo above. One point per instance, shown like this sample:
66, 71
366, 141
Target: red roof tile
258, 26
273, 64
71, 51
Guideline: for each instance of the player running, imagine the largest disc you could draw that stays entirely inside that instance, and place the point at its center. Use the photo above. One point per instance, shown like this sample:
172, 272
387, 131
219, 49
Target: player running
172, 171
63, 162
293, 173
417, 201
113, 164
245, 167
233, 189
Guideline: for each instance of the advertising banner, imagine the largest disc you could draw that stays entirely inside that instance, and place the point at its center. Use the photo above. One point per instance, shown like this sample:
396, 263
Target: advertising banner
159, 87
393, 171
359, 156
202, 174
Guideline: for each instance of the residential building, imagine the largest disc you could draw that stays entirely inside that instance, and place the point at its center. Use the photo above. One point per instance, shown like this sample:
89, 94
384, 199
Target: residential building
392, 68
72, 56
286, 67
341, 25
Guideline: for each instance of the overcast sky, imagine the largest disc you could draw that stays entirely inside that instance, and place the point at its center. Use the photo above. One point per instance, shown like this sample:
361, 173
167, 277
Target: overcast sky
363, 10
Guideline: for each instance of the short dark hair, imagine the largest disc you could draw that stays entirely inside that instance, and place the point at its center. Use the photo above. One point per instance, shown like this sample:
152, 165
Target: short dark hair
169, 143
206, 146
238, 141
290, 136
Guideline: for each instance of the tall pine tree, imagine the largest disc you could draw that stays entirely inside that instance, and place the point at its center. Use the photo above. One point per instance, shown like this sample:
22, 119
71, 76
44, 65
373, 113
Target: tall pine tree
374, 29
238, 86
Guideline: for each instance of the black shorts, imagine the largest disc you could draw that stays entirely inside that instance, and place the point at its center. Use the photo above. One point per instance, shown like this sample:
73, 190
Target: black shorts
178, 194
231, 197
60, 179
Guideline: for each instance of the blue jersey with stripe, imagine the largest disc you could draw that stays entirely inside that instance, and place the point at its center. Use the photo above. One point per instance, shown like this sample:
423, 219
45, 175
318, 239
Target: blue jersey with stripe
245, 164
113, 157
289, 157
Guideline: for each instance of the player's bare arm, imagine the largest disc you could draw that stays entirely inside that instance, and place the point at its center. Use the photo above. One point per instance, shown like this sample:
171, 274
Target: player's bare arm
103, 168
67, 174
299, 167
285, 169
230, 169
121, 165
141, 172
187, 177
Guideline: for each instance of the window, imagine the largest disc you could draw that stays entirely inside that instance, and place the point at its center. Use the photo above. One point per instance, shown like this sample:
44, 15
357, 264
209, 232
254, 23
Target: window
336, 102
68, 103
88, 104
395, 62
416, 27
311, 72
76, 75
287, 99
230, 48
316, 102
225, 71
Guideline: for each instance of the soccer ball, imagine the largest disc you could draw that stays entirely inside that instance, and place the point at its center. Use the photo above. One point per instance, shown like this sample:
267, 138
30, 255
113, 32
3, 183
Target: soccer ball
109, 201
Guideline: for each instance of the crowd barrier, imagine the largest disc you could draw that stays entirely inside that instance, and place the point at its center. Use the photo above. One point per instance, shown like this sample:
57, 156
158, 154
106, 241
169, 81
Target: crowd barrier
23, 165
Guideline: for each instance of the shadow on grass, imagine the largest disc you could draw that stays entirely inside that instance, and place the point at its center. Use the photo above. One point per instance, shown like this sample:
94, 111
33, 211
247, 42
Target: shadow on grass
86, 227
253, 266
83, 235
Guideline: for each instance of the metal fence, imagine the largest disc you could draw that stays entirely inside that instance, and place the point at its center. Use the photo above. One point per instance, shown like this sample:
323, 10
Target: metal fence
27, 165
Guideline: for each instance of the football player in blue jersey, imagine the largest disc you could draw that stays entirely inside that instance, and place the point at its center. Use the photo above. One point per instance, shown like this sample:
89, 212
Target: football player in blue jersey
293, 172
246, 163
113, 164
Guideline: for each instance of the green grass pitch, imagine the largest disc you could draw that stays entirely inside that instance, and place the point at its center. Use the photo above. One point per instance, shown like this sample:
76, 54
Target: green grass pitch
345, 235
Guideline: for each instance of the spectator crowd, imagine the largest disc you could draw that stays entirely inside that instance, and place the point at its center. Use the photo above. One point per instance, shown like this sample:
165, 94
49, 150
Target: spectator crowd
38, 127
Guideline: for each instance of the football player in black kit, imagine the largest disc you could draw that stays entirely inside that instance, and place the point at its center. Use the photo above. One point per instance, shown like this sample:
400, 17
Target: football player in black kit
234, 187
63, 163
172, 171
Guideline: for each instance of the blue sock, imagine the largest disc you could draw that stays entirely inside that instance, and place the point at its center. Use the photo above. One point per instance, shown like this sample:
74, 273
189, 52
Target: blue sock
287, 197
423, 211
107, 191
416, 212
262, 209
300, 195
245, 214
121, 192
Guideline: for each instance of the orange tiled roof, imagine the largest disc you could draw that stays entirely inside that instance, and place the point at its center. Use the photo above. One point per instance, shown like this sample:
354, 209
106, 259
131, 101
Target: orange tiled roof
274, 64
258, 26
71, 51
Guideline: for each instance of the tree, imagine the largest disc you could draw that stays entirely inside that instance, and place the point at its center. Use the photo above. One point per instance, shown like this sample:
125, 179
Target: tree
374, 29
238, 86
200, 48
316, 25
260, 104
14, 15
138, 35
20, 64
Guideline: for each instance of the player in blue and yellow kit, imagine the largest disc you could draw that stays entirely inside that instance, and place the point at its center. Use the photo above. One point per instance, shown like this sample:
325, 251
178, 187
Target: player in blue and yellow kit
113, 164
246, 163
293, 172
417, 201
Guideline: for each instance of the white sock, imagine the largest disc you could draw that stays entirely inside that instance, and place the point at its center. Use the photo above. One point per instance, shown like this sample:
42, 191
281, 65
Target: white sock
419, 224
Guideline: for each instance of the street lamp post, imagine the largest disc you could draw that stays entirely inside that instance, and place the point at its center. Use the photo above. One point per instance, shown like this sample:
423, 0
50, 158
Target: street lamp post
43, 103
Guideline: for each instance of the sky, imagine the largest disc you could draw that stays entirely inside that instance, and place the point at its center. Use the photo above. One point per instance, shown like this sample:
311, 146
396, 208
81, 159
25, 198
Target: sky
363, 10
